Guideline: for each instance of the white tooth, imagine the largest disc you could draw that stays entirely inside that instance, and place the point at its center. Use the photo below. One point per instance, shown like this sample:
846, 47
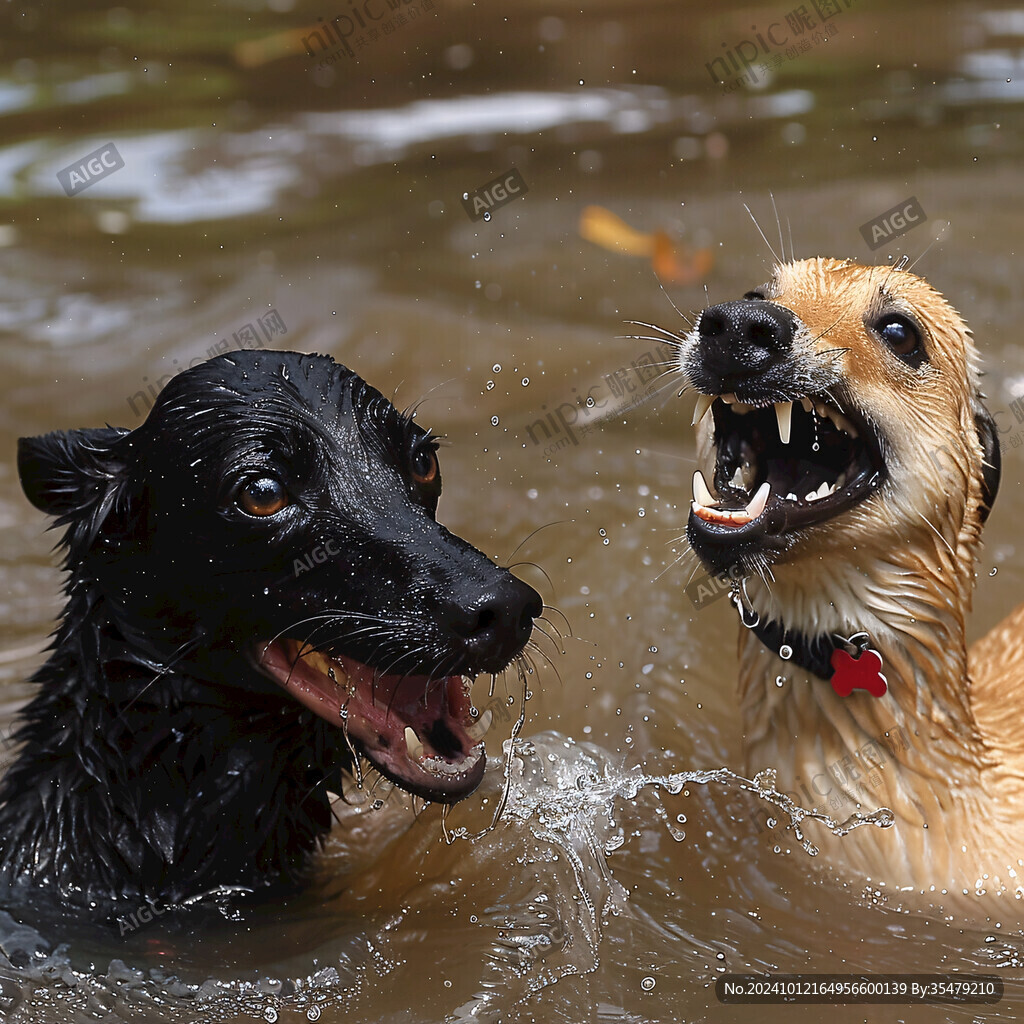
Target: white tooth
413, 744
841, 482
737, 478
821, 410
701, 494
728, 399
703, 404
791, 497
784, 414
478, 729
824, 490
810, 495
758, 502
806, 403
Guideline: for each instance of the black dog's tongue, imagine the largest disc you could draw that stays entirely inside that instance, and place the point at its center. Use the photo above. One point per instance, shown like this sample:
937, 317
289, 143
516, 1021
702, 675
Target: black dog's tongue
415, 730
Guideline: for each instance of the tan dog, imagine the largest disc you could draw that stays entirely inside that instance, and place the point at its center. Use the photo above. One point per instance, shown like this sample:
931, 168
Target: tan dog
858, 508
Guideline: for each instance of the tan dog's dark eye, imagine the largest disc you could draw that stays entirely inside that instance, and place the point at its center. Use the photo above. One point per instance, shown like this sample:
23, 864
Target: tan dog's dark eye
899, 333
263, 497
424, 466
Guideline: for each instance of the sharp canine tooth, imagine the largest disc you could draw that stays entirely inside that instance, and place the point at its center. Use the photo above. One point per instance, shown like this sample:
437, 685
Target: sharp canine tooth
478, 729
704, 403
758, 502
784, 414
413, 744
701, 494
737, 478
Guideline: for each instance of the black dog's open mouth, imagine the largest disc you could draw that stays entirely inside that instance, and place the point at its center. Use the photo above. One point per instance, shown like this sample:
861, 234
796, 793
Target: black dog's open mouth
416, 730
780, 467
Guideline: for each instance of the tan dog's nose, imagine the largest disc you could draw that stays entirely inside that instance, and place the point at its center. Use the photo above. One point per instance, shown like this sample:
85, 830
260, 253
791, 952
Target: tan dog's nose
742, 340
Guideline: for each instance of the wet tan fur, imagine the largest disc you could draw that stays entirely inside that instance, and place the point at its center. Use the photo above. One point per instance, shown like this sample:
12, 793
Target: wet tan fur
901, 565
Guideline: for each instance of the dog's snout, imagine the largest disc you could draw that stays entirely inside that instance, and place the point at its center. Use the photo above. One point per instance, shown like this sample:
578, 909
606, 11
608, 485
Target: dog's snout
743, 339
493, 625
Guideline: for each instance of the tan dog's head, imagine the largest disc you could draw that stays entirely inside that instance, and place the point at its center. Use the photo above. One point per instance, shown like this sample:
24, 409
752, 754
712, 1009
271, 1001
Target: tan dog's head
845, 414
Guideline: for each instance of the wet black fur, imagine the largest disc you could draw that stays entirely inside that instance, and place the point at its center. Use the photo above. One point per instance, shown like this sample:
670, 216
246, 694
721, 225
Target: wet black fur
156, 762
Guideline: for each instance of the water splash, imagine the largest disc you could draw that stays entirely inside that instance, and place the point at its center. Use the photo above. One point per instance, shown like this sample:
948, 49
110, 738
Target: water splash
562, 808
741, 602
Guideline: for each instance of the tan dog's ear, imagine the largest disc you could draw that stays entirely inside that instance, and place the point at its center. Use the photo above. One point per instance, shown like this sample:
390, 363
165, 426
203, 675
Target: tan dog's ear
991, 469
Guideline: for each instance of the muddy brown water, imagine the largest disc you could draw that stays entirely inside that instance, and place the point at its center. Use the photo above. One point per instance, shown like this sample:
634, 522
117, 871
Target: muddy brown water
330, 192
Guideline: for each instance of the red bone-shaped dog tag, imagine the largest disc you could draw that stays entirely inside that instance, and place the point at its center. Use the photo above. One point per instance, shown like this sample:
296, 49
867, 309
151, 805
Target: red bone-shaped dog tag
860, 673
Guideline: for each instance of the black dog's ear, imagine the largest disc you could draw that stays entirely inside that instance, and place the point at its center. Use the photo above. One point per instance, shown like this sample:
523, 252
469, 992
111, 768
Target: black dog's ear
75, 477
992, 466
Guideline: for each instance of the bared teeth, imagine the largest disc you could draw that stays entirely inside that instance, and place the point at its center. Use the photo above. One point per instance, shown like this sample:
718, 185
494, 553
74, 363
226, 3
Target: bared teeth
822, 492
784, 414
478, 729
701, 494
413, 744
759, 501
734, 517
704, 402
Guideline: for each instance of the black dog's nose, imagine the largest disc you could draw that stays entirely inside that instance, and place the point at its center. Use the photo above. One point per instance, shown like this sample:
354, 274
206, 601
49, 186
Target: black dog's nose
742, 339
493, 625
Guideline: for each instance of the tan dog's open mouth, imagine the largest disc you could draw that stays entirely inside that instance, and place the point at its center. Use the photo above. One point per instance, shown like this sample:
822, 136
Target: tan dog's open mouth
780, 467
415, 730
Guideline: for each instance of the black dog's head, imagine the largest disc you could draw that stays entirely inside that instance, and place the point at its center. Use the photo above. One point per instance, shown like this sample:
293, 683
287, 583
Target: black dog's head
275, 517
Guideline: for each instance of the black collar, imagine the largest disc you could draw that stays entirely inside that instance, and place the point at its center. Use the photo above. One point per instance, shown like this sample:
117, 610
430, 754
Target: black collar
811, 653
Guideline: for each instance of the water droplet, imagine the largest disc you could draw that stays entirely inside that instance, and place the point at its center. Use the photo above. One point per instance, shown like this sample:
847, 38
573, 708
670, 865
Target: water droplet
785, 652
490, 385
465, 195
526, 382
270, 1014
993, 572
496, 368
313, 1013
494, 421
641, 512
648, 983
487, 216
780, 680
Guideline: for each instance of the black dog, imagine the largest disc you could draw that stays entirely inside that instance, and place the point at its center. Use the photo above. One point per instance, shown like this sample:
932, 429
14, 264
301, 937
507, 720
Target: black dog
258, 590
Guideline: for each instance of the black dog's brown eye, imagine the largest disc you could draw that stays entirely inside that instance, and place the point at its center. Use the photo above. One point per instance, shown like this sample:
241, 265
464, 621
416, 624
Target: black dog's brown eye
263, 497
424, 466
900, 333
